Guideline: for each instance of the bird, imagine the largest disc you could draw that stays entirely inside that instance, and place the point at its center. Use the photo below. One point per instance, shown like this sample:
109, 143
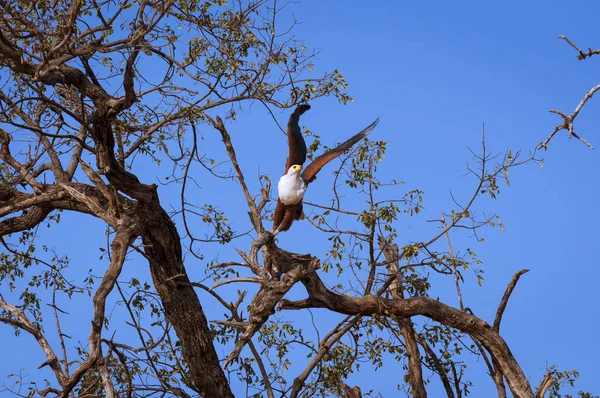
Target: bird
293, 183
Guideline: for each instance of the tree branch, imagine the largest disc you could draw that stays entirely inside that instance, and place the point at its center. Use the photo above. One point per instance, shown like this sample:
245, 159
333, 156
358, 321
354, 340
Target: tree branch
415, 370
320, 297
123, 239
254, 212
581, 55
545, 384
22, 322
324, 346
437, 365
502, 306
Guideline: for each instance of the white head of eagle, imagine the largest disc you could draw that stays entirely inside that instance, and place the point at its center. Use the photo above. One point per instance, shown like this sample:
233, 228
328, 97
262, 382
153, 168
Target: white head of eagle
291, 186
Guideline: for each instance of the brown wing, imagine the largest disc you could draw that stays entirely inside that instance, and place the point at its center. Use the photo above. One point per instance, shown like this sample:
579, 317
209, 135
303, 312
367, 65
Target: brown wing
296, 144
310, 172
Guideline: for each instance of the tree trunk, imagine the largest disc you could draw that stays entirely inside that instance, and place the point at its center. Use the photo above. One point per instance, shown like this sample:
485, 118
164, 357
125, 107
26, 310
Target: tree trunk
182, 308
162, 245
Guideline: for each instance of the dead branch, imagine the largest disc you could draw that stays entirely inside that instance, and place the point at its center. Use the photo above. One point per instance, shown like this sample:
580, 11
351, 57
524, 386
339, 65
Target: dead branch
568, 120
254, 212
580, 54
502, 306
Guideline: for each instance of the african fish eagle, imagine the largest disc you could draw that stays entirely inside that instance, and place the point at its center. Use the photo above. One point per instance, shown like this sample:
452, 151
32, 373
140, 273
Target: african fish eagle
292, 185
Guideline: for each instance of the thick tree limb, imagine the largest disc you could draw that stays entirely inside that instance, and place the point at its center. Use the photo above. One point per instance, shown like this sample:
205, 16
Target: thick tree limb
320, 297
107, 163
26, 201
272, 290
30, 219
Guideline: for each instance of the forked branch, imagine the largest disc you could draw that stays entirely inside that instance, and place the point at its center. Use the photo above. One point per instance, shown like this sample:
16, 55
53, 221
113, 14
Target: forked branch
568, 120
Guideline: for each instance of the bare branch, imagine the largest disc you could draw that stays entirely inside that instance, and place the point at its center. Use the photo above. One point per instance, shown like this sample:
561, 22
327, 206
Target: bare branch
22, 322
254, 212
545, 384
568, 120
236, 280
509, 289
580, 54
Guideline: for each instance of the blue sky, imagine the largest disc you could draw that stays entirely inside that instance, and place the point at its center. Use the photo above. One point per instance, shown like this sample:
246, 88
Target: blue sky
434, 72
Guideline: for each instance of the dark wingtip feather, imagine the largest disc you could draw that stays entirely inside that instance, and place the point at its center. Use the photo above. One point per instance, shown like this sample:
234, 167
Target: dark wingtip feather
310, 172
354, 139
300, 109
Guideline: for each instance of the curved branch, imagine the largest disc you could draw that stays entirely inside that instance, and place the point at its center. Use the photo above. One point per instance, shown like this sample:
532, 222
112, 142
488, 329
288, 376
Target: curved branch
320, 297
333, 337
120, 244
30, 219
22, 322
509, 289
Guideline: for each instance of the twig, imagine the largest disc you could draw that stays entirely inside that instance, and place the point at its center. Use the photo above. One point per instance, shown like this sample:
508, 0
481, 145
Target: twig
453, 260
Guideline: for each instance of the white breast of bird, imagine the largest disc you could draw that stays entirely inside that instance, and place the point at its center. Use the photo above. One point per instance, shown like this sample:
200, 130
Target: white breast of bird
291, 189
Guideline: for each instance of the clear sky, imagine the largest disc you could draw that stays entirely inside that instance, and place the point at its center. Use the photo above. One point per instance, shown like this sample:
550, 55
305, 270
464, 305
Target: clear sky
434, 72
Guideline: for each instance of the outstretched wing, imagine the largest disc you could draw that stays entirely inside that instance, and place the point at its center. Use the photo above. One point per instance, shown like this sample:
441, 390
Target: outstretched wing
310, 172
296, 144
